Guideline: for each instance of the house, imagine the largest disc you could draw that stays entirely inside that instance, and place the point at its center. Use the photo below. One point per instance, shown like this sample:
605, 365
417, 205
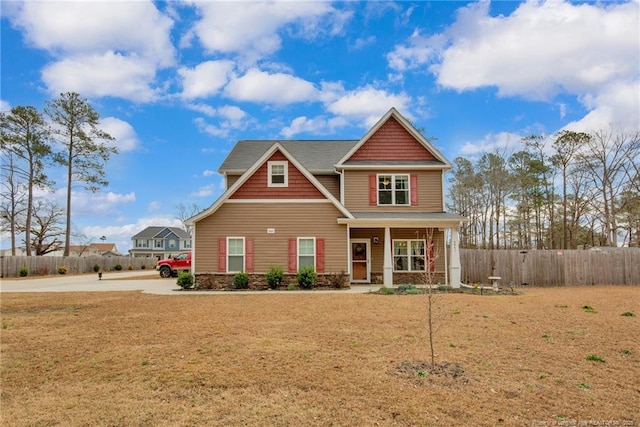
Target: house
89, 250
371, 209
160, 242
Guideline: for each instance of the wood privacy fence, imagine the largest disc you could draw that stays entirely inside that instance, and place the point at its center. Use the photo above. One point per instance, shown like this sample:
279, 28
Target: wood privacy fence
45, 265
610, 266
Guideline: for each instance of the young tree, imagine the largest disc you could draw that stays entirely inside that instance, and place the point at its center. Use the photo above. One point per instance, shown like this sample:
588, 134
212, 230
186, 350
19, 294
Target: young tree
185, 212
26, 136
86, 148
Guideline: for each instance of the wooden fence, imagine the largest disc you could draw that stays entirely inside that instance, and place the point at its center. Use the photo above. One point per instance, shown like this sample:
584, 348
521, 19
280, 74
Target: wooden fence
610, 266
46, 265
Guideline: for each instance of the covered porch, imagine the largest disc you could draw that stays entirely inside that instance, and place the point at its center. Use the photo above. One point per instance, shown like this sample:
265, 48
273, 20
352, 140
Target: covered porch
404, 248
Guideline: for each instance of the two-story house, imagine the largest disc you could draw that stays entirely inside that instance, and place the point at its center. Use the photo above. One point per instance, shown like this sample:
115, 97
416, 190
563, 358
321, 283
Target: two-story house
371, 208
160, 242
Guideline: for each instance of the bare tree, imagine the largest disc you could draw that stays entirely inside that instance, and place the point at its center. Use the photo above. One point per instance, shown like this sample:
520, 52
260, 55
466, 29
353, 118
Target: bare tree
12, 206
85, 147
46, 230
26, 135
185, 212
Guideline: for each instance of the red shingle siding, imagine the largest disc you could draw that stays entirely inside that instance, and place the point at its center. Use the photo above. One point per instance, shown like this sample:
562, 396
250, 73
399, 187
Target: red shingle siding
392, 142
299, 187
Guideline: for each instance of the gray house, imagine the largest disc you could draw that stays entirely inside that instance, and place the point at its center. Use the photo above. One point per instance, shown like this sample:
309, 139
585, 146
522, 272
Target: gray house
160, 242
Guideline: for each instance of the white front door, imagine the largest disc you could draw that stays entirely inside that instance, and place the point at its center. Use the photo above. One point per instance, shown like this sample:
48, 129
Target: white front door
360, 266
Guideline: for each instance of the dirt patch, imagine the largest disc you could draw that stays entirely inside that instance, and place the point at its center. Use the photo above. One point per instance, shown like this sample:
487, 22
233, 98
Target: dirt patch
127, 358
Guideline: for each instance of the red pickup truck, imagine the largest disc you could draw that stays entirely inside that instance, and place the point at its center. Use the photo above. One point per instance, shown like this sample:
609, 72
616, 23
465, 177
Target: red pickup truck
171, 266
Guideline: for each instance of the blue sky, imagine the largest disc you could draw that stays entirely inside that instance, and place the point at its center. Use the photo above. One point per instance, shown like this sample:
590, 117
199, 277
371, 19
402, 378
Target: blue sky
178, 83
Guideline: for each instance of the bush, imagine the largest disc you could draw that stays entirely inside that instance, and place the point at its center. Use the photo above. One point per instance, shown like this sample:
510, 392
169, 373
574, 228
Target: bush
130, 267
306, 277
62, 269
96, 268
185, 280
274, 277
24, 272
142, 267
241, 280
118, 267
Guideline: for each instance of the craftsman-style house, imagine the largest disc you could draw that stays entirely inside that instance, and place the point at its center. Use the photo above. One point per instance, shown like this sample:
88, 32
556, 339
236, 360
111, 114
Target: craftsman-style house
371, 210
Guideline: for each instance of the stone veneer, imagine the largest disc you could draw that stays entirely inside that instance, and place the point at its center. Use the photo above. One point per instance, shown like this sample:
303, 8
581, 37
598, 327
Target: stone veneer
222, 282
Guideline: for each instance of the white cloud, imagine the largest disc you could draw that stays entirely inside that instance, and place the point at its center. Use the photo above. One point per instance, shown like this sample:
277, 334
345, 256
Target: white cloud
89, 204
204, 191
276, 88
318, 125
233, 118
4, 106
154, 206
208, 173
369, 104
101, 48
124, 134
205, 79
105, 74
501, 142
250, 29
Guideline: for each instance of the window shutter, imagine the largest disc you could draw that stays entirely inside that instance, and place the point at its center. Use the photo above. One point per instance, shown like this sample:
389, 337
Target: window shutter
222, 255
250, 259
293, 249
373, 191
414, 189
319, 255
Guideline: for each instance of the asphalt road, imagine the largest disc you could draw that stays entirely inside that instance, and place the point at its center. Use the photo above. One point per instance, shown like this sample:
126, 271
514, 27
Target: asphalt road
145, 281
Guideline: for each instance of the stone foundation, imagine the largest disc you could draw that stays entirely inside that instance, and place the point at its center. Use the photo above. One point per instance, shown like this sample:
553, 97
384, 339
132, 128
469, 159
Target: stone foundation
258, 282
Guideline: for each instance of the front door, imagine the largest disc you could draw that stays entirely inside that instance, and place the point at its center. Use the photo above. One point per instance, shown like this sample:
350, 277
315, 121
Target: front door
360, 268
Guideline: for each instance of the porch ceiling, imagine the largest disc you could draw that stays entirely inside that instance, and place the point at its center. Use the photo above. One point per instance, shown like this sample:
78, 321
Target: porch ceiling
404, 219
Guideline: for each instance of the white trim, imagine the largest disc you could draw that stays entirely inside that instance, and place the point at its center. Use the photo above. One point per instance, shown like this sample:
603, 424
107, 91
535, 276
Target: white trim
315, 255
272, 201
193, 251
244, 254
270, 166
367, 242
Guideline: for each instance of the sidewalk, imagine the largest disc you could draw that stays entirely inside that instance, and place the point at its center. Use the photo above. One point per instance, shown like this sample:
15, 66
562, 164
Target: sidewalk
118, 281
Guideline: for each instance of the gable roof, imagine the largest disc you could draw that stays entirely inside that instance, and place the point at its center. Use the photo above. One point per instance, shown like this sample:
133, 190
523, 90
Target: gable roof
316, 156
277, 146
161, 232
440, 161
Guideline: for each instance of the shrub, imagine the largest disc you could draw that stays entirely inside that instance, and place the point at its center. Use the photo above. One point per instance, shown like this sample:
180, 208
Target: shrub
130, 267
291, 287
62, 269
595, 358
118, 267
274, 277
307, 277
185, 280
24, 272
142, 267
241, 280
96, 268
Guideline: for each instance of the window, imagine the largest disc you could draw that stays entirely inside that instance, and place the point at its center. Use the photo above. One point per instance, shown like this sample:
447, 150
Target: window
186, 244
306, 252
235, 254
158, 244
393, 190
408, 255
278, 174
142, 243
172, 243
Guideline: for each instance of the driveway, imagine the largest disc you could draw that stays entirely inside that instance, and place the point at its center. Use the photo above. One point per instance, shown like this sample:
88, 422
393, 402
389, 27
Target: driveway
146, 281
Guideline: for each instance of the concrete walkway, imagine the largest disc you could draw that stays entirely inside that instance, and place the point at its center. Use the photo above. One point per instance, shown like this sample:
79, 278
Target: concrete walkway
146, 281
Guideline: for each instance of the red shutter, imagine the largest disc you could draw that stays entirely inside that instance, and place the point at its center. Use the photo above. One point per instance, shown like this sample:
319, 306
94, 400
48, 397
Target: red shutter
250, 259
293, 249
319, 255
373, 190
414, 189
222, 255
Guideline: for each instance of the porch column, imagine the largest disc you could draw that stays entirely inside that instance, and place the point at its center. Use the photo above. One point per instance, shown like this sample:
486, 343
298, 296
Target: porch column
387, 277
454, 259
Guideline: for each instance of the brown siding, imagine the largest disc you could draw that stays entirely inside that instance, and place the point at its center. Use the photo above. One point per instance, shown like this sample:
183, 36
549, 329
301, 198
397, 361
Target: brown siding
299, 187
288, 220
392, 142
331, 183
429, 192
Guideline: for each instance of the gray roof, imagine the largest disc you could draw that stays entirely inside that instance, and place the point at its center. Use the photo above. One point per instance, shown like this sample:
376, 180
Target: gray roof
161, 232
315, 155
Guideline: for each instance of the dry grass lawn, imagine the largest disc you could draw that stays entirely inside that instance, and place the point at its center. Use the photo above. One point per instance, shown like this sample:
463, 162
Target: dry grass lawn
310, 359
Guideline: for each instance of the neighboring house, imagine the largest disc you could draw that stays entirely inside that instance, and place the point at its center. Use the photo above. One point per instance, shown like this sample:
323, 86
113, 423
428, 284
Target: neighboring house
89, 250
160, 242
371, 208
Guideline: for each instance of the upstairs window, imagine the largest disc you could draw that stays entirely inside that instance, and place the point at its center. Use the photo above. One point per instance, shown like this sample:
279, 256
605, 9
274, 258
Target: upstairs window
393, 190
278, 174
158, 244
